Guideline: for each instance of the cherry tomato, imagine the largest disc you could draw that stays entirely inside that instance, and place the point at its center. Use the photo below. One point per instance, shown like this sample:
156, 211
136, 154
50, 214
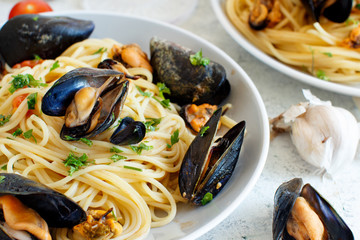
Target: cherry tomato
29, 6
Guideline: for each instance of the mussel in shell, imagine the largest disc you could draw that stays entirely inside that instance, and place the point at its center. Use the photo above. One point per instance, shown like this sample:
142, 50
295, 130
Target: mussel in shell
55, 208
334, 10
27, 35
294, 202
90, 99
128, 132
207, 166
196, 116
187, 83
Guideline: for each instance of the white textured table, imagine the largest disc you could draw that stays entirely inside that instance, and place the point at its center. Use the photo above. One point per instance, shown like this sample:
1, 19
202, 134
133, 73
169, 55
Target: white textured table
253, 218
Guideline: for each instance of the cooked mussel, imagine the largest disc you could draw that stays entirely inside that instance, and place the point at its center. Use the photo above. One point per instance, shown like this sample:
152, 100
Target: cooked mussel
334, 10
196, 116
206, 167
293, 203
27, 35
22, 199
128, 132
90, 99
187, 83
264, 13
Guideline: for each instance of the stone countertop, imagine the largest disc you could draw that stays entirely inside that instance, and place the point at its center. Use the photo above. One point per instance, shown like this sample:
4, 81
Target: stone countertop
253, 218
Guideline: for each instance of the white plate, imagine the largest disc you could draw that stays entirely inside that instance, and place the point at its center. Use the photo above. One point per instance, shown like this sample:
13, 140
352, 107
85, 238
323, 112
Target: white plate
218, 7
191, 222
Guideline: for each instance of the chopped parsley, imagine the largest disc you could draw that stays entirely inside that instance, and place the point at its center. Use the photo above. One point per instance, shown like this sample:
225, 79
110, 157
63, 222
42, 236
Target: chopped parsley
100, 50
29, 134
31, 100
329, 54
197, 59
4, 119
2, 179
163, 89
321, 74
145, 94
37, 57
165, 103
36, 18
17, 132
151, 124
133, 168
75, 162
357, 6
140, 148
203, 130
115, 150
174, 138
55, 66
4, 167
21, 81
207, 198
117, 157
86, 141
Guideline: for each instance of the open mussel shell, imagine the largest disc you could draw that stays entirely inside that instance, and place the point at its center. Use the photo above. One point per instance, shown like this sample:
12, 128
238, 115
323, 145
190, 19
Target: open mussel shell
338, 12
187, 83
284, 201
197, 176
55, 208
26, 35
128, 132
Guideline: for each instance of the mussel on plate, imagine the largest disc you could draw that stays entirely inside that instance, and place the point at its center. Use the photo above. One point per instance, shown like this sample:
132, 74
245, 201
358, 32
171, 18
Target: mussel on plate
24, 36
26, 204
208, 164
334, 10
301, 211
187, 83
195, 116
128, 132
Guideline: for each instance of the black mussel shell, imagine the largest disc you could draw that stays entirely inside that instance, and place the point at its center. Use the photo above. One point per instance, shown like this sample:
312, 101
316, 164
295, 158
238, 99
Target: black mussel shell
59, 96
314, 8
284, 201
339, 11
55, 208
2, 65
107, 64
187, 83
26, 35
128, 132
224, 157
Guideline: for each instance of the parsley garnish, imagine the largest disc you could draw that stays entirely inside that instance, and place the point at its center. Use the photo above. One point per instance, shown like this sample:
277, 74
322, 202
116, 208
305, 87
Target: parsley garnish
207, 198
197, 59
174, 138
4, 167
357, 6
145, 94
75, 162
117, 157
321, 74
28, 134
133, 168
37, 57
36, 18
203, 130
86, 141
115, 150
2, 179
151, 124
100, 50
4, 119
32, 100
17, 132
21, 81
329, 54
162, 89
142, 146
165, 103
55, 66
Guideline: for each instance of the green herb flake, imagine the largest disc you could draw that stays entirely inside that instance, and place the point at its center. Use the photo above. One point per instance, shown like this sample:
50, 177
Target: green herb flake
163, 89
100, 50
17, 132
2, 178
197, 59
165, 103
207, 198
113, 213
4, 167
35, 18
357, 6
115, 150
86, 141
203, 130
4, 119
145, 94
54, 66
69, 138
174, 138
75, 162
133, 168
31, 100
117, 157
329, 54
29, 134
321, 74
151, 124
27, 80
140, 148
37, 57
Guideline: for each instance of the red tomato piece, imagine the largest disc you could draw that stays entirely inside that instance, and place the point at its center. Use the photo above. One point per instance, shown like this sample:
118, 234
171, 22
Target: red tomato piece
28, 7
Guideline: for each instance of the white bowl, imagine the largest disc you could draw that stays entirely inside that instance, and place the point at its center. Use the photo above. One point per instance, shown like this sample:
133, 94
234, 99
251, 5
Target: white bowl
191, 222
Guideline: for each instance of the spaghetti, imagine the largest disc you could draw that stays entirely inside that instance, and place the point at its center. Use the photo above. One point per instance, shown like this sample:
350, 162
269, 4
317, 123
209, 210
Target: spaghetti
319, 48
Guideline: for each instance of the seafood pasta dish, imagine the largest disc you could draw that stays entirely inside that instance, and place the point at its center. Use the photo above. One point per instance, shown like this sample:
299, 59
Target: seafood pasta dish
317, 37
104, 134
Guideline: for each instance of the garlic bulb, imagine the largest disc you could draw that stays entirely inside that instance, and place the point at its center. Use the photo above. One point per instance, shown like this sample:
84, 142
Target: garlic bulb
325, 136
